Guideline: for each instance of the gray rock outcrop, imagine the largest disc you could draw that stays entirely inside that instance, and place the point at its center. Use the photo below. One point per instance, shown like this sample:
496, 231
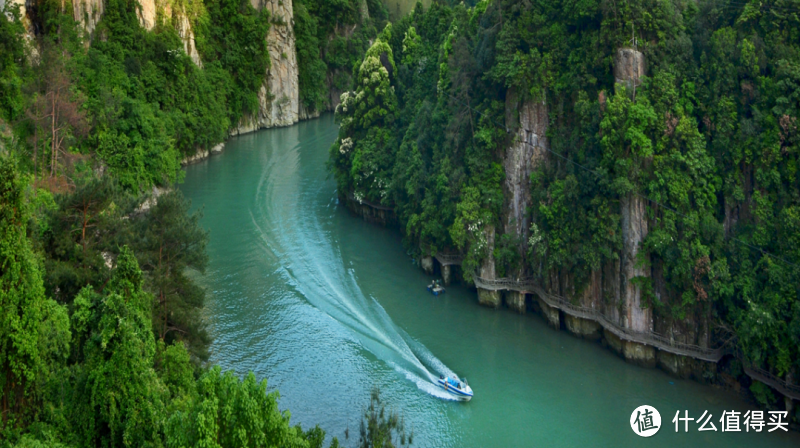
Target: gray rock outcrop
279, 97
527, 152
629, 67
88, 13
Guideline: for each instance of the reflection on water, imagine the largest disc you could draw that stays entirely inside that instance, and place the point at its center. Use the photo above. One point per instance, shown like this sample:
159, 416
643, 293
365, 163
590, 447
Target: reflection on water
326, 307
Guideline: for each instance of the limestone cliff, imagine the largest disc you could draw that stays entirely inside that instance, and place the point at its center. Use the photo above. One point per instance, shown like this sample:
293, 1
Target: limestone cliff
24, 12
184, 28
279, 97
629, 66
634, 230
487, 271
148, 15
528, 151
88, 13
529, 120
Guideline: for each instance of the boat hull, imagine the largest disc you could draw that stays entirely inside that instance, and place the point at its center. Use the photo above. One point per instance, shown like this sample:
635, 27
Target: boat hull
464, 395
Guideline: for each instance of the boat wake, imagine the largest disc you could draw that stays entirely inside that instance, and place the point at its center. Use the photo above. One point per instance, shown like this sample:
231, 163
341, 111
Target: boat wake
314, 267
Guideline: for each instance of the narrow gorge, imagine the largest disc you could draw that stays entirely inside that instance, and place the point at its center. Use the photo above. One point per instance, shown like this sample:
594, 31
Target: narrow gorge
589, 176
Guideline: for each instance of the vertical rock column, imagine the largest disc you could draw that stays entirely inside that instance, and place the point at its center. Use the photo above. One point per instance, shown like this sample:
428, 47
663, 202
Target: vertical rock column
447, 274
516, 301
147, 14
591, 297
487, 271
279, 97
184, 29
522, 156
628, 68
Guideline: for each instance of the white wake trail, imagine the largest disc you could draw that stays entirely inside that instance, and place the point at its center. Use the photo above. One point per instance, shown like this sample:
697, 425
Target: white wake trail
293, 235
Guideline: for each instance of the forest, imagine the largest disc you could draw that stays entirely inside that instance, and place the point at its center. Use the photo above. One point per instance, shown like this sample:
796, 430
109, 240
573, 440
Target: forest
102, 336
708, 140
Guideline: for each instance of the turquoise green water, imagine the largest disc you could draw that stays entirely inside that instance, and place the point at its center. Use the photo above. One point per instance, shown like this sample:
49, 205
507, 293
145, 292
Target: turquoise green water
326, 306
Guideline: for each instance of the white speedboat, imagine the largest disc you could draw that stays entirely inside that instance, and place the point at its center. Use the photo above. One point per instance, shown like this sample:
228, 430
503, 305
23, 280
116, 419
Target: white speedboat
456, 387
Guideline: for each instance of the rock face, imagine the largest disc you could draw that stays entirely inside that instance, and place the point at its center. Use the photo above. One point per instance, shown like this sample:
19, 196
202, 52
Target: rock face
526, 153
629, 66
552, 315
486, 297
447, 274
24, 7
426, 263
279, 97
634, 230
184, 29
148, 14
88, 13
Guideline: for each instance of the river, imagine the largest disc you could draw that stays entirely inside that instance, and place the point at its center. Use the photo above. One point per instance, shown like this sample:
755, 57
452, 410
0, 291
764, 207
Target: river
326, 307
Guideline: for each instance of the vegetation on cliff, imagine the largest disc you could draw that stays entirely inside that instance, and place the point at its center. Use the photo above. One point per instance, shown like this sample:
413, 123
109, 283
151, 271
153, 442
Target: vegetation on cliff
331, 37
102, 338
93, 369
708, 140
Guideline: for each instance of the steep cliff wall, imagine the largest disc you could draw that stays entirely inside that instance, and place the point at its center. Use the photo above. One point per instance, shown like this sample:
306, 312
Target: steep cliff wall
527, 152
487, 270
148, 14
634, 230
88, 13
24, 10
629, 66
184, 28
279, 97
529, 120
279, 103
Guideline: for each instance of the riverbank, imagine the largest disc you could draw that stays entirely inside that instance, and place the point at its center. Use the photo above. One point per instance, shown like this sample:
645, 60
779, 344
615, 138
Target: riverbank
715, 367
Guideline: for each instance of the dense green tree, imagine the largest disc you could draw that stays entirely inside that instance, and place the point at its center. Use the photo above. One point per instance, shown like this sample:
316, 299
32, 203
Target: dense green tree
34, 331
331, 36
312, 68
117, 363
230, 412
707, 141
169, 241
77, 233
119, 400
363, 155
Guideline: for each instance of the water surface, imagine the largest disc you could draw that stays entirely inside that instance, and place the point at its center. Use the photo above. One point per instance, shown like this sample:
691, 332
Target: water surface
326, 307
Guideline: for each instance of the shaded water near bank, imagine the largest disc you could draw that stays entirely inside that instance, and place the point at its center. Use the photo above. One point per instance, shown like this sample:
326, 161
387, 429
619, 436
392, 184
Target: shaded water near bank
326, 306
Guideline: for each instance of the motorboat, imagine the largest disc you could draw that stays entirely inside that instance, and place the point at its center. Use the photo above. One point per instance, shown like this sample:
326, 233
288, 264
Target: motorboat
456, 387
436, 287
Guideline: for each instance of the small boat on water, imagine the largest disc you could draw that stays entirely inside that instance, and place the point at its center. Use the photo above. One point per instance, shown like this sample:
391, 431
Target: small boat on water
436, 287
456, 387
